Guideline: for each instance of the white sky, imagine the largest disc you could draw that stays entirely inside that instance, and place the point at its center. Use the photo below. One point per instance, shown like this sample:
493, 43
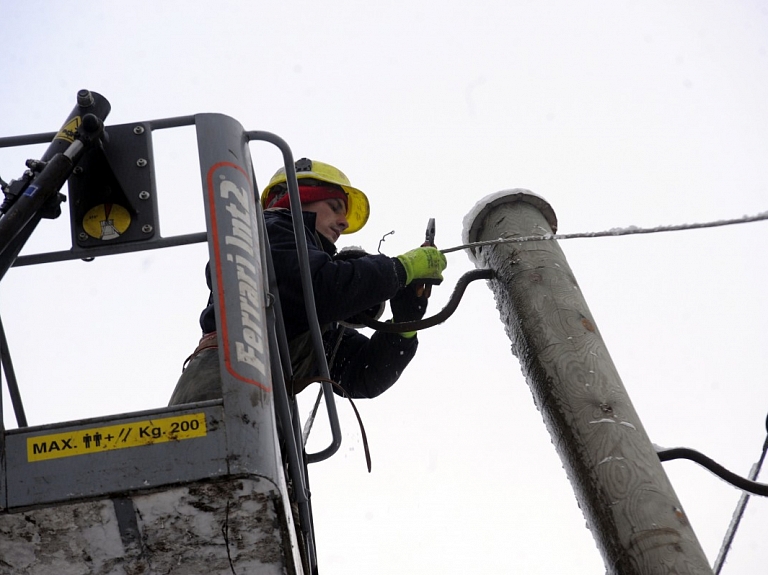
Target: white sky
618, 113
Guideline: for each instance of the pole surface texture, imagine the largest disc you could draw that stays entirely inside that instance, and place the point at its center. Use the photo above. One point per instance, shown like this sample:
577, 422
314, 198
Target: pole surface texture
625, 495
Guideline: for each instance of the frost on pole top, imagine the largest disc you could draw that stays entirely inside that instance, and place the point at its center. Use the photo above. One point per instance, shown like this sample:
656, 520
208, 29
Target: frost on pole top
473, 221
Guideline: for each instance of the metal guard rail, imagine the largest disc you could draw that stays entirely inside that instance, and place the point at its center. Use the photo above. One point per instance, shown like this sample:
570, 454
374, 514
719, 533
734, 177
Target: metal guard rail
72, 254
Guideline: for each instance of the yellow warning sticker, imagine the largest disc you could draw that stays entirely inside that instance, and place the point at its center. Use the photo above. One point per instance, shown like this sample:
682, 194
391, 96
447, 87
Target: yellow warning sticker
69, 130
106, 221
100, 439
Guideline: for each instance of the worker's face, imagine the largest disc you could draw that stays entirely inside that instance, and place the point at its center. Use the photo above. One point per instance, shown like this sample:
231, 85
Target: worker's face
331, 217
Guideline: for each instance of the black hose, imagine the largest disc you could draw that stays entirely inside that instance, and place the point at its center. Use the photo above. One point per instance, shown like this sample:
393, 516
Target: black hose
736, 480
440, 317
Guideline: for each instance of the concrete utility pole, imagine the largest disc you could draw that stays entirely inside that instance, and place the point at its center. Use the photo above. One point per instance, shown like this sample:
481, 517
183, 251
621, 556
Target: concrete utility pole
628, 502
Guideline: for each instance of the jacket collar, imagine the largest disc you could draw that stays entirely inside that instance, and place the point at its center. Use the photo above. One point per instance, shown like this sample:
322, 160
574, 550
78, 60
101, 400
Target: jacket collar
309, 222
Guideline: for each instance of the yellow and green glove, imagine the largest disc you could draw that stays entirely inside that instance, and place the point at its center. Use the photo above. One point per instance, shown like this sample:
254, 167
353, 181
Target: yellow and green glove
423, 263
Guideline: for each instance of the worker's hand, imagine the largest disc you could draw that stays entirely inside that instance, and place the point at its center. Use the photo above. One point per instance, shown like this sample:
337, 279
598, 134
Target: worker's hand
423, 263
407, 305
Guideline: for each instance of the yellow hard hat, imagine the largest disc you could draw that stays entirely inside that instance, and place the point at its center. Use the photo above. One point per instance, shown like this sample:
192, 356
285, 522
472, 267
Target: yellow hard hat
358, 208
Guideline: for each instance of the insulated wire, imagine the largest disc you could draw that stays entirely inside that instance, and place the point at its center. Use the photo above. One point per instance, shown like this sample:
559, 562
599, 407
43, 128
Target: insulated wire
616, 232
738, 513
748, 485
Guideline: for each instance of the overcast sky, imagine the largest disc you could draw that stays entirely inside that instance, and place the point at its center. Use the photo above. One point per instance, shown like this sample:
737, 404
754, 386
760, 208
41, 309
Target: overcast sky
618, 113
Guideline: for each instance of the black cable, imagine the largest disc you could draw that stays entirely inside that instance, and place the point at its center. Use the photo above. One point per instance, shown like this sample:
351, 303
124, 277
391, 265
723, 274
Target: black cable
440, 317
736, 480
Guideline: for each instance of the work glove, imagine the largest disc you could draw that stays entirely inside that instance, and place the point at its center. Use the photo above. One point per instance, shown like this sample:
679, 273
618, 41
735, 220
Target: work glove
408, 305
423, 263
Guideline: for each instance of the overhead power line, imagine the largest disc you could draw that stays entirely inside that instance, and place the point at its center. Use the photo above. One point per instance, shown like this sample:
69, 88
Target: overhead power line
616, 232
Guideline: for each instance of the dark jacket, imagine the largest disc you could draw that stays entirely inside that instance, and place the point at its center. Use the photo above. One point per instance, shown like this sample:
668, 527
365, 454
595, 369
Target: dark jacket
363, 367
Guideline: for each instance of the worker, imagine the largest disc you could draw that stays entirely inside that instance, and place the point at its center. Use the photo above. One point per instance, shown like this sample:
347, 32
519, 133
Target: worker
345, 285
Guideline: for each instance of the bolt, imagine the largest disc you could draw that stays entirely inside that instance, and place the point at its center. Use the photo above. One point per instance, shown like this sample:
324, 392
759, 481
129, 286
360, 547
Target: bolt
143, 195
141, 162
138, 130
146, 228
78, 170
82, 236
84, 99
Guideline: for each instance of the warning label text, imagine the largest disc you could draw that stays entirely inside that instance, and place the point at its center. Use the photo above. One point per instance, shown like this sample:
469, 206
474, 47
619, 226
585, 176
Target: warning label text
100, 439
